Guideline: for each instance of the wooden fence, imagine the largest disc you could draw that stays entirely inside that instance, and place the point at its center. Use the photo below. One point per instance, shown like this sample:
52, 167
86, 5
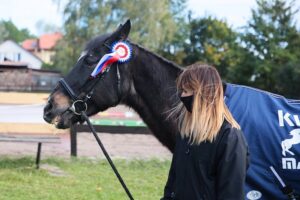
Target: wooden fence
79, 128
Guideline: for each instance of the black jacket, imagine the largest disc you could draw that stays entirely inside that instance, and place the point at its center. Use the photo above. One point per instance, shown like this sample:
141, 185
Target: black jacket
209, 171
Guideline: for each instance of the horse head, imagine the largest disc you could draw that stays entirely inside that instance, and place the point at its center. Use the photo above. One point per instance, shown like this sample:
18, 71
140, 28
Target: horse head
78, 83
295, 133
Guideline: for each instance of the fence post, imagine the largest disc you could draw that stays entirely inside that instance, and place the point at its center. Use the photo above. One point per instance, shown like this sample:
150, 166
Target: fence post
73, 139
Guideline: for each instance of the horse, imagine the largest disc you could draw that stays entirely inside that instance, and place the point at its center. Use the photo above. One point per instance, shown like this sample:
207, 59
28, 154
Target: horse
288, 143
146, 84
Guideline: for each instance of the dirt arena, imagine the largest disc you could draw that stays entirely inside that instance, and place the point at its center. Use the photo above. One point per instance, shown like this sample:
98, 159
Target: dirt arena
129, 146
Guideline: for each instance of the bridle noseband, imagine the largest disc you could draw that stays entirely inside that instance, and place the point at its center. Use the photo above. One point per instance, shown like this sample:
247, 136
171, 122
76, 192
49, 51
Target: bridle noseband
78, 105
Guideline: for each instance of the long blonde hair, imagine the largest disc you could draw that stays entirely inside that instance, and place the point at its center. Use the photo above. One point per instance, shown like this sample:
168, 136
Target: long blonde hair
209, 108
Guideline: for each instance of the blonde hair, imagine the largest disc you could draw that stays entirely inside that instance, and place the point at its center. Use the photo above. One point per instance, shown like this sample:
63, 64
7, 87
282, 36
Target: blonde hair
209, 108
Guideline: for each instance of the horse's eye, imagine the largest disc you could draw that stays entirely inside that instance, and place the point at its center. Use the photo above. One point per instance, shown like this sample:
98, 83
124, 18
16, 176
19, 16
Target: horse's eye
91, 59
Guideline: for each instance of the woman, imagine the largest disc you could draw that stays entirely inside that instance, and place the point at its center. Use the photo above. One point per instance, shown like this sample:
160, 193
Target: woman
210, 158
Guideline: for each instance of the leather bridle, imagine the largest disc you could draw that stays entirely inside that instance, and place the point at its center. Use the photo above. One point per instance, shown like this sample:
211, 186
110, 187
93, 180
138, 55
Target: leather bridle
79, 107
79, 104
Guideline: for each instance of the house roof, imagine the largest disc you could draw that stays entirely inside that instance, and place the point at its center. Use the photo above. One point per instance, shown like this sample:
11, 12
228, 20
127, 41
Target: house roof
30, 44
46, 42
21, 65
12, 64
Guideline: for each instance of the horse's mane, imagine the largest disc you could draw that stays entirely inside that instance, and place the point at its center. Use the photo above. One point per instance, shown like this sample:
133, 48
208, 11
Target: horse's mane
157, 56
95, 41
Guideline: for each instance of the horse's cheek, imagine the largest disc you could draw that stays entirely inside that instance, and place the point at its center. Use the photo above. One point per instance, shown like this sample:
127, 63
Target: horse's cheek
61, 100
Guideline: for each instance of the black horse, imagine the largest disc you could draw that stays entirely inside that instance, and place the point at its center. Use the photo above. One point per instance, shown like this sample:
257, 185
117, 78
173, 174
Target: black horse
146, 83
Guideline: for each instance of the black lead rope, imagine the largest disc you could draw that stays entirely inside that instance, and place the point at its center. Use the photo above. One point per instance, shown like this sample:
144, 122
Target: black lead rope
79, 106
85, 117
286, 189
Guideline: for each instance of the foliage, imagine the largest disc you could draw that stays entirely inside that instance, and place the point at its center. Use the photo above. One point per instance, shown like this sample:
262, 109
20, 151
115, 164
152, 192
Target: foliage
84, 179
265, 53
272, 41
8, 30
174, 49
44, 27
211, 41
87, 19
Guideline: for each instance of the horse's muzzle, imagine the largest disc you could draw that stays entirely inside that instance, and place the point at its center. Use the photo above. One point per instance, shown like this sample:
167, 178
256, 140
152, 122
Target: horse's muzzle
48, 116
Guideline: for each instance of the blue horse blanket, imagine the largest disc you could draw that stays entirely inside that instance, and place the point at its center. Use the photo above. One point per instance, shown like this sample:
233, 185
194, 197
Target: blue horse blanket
271, 124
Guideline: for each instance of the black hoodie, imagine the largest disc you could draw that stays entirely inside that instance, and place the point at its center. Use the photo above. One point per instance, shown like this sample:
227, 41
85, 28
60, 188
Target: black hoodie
209, 171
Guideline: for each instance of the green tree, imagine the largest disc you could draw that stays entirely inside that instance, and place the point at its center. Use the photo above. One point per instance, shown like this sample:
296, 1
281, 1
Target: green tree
83, 21
153, 24
8, 30
174, 49
4, 34
211, 41
44, 27
272, 41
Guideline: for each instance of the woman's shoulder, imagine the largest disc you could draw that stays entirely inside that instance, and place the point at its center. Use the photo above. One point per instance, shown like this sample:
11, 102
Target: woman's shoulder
225, 124
230, 133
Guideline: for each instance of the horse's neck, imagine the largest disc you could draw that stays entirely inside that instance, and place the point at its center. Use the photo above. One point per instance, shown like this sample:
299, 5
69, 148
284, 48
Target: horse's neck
154, 79
154, 93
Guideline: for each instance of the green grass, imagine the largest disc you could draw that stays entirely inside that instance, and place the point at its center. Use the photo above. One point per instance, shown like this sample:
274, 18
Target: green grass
86, 179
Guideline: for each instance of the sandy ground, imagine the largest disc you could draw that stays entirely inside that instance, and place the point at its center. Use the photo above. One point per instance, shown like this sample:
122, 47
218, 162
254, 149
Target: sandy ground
23, 98
129, 146
30, 128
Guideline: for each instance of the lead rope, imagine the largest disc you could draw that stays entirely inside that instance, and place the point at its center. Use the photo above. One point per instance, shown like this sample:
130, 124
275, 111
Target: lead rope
286, 189
85, 117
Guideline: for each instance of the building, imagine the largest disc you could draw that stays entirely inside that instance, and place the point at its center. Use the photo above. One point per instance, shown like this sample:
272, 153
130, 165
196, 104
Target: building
20, 70
43, 47
11, 51
16, 76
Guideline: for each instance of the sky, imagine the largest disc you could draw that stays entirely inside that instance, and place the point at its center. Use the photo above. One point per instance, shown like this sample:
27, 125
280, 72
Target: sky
27, 14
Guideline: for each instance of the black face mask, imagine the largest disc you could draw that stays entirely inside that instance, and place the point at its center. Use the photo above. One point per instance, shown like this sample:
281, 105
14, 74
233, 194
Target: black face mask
188, 102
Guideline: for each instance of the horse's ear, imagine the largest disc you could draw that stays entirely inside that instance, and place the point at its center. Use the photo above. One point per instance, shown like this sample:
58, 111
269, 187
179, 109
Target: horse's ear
122, 31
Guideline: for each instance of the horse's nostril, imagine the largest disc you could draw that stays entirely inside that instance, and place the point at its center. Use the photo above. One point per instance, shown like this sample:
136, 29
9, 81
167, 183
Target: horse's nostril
48, 117
48, 107
47, 113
